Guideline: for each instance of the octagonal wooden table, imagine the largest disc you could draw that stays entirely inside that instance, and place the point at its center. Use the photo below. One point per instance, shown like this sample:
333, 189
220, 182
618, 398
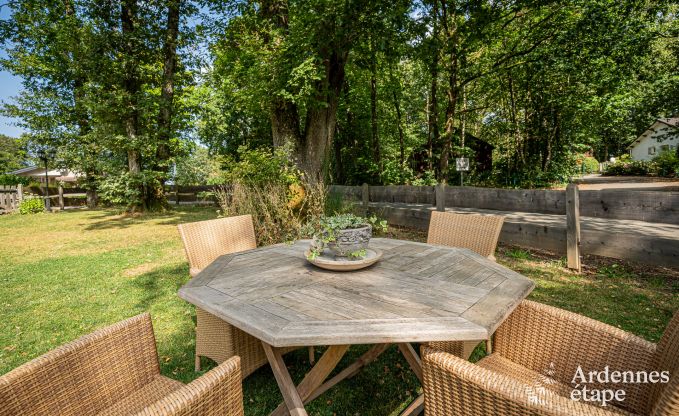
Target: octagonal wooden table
416, 293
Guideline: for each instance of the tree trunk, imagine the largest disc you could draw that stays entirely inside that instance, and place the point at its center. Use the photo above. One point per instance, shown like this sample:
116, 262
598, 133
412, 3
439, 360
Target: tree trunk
284, 116
321, 120
285, 124
433, 136
310, 147
453, 91
337, 144
373, 104
131, 87
401, 140
463, 120
81, 114
166, 105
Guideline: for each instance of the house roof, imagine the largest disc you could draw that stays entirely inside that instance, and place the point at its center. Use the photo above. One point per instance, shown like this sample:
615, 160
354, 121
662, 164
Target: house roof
37, 171
23, 170
672, 122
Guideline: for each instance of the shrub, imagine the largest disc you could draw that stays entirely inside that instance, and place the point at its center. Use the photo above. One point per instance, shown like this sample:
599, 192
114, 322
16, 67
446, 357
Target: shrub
31, 206
8, 179
627, 167
126, 189
275, 218
667, 163
267, 185
588, 164
261, 166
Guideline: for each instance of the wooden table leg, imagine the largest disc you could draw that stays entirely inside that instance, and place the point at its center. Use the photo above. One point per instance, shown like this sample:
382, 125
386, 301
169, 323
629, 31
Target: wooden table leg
414, 408
413, 359
365, 359
294, 397
417, 406
290, 396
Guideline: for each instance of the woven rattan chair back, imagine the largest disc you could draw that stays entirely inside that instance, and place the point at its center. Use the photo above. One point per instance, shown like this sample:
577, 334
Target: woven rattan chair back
665, 396
46, 385
478, 233
204, 241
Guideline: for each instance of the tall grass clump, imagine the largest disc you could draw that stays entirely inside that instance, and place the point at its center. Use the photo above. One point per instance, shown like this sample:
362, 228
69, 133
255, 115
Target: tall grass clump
283, 204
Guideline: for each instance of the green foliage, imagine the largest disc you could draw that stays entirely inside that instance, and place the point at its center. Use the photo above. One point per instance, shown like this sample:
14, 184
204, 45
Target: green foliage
540, 81
589, 164
198, 167
342, 222
12, 153
261, 166
626, 167
428, 178
14, 180
667, 164
92, 88
335, 204
279, 214
518, 254
126, 189
32, 206
325, 231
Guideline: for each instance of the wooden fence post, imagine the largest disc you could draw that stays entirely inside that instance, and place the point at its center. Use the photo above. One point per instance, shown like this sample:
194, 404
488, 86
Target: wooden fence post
365, 198
61, 197
573, 227
20, 194
440, 196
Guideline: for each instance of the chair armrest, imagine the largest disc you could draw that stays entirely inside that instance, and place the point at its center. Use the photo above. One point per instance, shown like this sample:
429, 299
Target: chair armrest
108, 364
542, 337
536, 335
453, 386
219, 392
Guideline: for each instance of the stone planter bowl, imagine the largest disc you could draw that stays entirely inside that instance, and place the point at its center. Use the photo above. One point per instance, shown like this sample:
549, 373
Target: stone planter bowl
350, 240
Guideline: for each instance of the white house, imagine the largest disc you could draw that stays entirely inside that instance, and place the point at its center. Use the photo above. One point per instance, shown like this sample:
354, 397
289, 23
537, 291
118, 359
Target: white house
38, 174
663, 135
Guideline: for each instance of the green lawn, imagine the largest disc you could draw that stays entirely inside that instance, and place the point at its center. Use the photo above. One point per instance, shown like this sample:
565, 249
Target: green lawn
68, 273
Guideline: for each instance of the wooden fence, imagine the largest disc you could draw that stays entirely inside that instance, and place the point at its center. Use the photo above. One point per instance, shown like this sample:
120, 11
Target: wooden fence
620, 204
10, 197
199, 194
634, 225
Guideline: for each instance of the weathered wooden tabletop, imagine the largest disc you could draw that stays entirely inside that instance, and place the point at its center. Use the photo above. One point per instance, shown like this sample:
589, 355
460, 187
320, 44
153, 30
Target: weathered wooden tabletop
417, 292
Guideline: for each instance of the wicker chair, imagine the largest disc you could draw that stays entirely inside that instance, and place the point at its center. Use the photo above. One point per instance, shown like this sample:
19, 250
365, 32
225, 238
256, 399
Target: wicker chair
478, 233
114, 371
537, 352
204, 241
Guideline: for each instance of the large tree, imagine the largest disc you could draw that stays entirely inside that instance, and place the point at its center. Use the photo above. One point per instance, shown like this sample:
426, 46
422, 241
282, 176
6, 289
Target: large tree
100, 84
292, 55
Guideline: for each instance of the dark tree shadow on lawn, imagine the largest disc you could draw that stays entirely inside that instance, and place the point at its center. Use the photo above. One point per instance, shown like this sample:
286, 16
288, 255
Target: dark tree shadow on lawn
159, 283
114, 219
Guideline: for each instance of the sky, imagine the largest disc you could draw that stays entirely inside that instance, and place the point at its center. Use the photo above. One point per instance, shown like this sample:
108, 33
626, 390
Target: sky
9, 87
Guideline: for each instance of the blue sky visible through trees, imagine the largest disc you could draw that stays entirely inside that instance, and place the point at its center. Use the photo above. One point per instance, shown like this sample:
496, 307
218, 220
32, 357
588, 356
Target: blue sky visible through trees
9, 87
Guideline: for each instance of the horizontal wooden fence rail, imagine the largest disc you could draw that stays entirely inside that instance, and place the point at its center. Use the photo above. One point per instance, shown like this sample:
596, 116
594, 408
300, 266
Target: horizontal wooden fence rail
641, 226
649, 206
189, 194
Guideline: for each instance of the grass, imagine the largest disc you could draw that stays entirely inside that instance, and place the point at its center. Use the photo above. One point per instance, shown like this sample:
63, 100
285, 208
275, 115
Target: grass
68, 273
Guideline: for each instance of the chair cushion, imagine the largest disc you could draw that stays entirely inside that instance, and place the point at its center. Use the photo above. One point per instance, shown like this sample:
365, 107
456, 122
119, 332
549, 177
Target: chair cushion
147, 395
499, 364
